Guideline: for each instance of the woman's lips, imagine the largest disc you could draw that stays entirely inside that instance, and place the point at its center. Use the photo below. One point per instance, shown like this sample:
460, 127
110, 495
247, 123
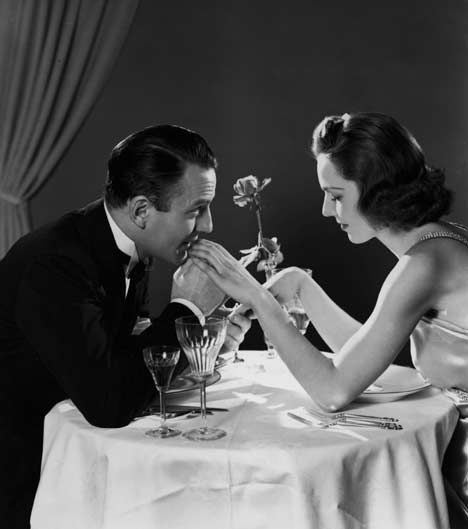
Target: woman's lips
343, 226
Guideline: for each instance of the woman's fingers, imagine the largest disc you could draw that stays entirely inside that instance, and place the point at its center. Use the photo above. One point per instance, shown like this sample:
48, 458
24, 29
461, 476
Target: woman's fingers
209, 270
224, 270
213, 249
226, 266
208, 257
211, 257
241, 321
242, 309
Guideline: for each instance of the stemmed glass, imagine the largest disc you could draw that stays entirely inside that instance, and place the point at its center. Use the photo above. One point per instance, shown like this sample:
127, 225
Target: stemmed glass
161, 361
222, 311
237, 358
201, 345
295, 310
297, 314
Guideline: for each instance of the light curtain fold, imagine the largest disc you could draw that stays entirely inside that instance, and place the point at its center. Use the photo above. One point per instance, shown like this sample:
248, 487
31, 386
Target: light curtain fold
55, 56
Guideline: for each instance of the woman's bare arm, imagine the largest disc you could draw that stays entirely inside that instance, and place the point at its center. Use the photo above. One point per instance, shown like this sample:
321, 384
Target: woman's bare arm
334, 325
406, 295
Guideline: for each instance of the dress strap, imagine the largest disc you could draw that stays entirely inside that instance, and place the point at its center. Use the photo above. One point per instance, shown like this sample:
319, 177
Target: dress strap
446, 235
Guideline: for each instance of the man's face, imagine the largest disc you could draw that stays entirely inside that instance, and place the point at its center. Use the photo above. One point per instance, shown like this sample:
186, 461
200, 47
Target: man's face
168, 234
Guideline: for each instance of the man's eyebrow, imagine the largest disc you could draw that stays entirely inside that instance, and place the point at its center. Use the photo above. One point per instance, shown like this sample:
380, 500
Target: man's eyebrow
198, 203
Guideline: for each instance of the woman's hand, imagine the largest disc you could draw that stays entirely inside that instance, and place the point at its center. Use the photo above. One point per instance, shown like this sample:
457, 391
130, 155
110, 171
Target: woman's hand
286, 284
228, 274
238, 325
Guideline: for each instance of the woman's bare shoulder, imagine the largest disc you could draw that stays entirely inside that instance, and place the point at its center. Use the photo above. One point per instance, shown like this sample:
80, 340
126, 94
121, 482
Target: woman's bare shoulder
414, 282
445, 255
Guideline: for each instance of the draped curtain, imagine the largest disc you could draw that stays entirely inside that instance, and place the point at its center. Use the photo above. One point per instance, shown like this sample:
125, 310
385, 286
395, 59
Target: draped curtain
55, 56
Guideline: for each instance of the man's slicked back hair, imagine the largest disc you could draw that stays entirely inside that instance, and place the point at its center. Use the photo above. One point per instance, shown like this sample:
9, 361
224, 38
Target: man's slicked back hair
151, 162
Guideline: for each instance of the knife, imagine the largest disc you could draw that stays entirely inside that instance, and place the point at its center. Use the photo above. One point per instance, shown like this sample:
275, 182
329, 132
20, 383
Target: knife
176, 410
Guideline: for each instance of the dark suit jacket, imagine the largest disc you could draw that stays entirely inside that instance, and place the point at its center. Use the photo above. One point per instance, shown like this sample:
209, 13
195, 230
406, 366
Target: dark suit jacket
65, 332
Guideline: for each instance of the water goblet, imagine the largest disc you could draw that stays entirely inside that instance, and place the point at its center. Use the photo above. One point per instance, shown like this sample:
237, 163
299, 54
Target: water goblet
161, 361
201, 345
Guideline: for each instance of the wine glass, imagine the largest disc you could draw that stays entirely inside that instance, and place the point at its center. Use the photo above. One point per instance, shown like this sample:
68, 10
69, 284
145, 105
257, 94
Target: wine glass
161, 361
201, 345
225, 311
296, 312
237, 359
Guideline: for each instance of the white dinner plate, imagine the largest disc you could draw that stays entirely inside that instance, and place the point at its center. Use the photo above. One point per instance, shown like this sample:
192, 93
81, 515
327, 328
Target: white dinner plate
394, 384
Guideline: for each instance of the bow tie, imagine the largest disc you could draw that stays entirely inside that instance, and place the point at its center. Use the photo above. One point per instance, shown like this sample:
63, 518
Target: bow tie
138, 271
123, 257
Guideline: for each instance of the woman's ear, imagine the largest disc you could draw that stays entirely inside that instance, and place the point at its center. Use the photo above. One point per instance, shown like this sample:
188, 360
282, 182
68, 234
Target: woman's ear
139, 210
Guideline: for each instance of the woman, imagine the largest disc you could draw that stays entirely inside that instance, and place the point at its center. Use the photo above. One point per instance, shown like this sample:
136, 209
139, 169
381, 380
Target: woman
376, 183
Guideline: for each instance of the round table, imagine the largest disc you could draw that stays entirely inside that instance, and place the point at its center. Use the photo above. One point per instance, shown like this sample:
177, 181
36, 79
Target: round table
270, 471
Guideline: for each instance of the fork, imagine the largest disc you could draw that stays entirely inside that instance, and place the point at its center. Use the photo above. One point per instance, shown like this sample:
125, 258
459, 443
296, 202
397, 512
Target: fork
350, 415
345, 419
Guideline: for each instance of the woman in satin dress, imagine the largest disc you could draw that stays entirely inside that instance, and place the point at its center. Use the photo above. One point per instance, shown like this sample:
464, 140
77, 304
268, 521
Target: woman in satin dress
376, 184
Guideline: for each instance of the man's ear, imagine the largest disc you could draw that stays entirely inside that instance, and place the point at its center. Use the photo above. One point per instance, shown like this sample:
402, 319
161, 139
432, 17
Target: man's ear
139, 210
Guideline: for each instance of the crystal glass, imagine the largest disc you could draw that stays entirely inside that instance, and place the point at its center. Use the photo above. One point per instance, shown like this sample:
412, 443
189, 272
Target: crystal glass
297, 314
222, 311
295, 311
161, 361
237, 358
201, 345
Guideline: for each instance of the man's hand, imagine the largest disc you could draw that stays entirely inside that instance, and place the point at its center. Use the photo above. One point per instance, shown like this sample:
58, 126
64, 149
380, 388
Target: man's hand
192, 284
238, 325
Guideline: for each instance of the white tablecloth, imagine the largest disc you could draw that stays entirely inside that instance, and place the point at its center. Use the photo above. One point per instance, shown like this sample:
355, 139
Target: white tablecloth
268, 472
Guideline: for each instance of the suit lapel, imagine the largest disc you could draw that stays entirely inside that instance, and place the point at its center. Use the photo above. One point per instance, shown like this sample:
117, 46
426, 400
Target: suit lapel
96, 234
95, 228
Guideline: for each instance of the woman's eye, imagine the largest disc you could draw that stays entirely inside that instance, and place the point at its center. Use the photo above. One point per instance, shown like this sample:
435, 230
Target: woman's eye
334, 199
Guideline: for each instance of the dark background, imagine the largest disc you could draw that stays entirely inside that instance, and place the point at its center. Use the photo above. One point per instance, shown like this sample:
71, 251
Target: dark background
255, 78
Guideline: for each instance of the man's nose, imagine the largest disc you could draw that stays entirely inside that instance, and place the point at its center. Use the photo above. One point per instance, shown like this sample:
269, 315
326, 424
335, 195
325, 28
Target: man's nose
205, 222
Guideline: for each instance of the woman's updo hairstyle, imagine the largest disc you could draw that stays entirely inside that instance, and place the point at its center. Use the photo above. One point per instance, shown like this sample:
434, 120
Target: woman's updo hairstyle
397, 188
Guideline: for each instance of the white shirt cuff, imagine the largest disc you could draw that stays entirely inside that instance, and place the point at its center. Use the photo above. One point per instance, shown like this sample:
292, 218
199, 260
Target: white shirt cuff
198, 313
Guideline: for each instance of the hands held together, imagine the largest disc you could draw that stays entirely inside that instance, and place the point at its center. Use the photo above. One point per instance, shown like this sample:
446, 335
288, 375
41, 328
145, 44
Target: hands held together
232, 278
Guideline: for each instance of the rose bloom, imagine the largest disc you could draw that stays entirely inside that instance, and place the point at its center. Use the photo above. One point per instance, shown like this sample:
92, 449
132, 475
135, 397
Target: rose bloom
247, 189
246, 186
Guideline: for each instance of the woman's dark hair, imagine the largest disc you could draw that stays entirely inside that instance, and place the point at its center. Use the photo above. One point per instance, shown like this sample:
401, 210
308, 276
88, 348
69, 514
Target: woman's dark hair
397, 188
151, 162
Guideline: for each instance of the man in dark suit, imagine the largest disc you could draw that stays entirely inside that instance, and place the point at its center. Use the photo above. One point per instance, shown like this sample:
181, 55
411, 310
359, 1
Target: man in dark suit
71, 292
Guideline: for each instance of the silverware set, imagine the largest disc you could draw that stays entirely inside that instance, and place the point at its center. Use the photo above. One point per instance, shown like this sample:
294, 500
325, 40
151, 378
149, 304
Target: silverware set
327, 420
188, 412
318, 419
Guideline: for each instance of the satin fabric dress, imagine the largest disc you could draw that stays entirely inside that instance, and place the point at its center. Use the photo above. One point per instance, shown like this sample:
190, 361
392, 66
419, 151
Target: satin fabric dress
439, 351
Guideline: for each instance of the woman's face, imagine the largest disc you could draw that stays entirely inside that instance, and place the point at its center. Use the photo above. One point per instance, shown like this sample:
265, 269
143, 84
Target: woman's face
341, 201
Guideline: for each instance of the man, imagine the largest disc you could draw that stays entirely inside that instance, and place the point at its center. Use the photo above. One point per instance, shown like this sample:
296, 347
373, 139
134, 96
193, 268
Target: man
71, 292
